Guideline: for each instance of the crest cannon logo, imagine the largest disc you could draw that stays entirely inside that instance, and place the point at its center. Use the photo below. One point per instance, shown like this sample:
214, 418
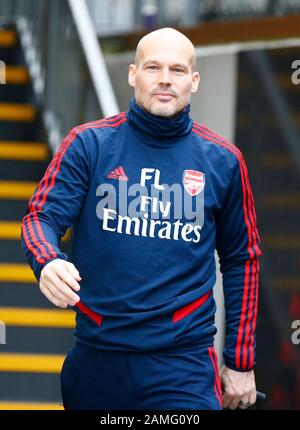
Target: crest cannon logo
193, 181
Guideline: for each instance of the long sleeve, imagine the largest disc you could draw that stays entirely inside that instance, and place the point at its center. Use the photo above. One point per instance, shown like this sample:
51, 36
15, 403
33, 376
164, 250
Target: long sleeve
237, 244
56, 203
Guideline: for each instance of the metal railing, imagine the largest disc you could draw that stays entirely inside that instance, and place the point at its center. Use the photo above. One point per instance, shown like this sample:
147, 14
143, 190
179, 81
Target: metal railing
65, 62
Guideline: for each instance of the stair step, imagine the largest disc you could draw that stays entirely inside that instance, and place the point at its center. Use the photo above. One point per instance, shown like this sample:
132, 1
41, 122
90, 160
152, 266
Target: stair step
22, 131
12, 272
272, 225
12, 295
282, 241
11, 56
17, 75
22, 170
30, 406
15, 150
274, 261
268, 139
17, 112
276, 161
283, 81
33, 363
37, 340
11, 250
8, 38
244, 120
291, 219
32, 317
274, 183
31, 387
13, 93
12, 209
286, 201
11, 230
17, 189
37, 337
285, 283
271, 120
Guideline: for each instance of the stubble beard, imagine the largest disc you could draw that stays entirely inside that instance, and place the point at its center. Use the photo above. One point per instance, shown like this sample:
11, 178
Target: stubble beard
160, 109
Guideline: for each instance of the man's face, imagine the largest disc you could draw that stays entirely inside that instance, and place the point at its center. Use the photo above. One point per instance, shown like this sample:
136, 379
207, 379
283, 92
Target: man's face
163, 79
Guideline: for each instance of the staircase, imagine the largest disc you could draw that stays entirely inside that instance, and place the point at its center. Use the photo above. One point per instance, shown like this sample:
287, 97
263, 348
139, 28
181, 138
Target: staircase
275, 179
38, 335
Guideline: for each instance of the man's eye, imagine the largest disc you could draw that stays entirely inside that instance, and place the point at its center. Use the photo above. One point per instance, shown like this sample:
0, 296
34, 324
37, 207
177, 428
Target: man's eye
178, 70
152, 67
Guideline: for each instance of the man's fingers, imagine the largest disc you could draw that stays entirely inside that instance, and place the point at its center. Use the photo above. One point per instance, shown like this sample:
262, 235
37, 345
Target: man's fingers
60, 290
69, 279
58, 283
63, 291
73, 271
58, 298
244, 403
64, 298
53, 299
234, 403
231, 401
253, 397
227, 398
237, 386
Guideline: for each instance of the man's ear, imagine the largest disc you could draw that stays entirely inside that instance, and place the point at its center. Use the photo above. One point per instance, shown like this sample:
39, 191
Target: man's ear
196, 80
131, 75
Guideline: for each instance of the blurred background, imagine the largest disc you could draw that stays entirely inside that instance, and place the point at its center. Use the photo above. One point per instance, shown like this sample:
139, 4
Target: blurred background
65, 62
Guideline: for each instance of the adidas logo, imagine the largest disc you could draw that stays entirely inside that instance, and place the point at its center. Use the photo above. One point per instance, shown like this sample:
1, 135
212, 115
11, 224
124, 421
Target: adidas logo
118, 173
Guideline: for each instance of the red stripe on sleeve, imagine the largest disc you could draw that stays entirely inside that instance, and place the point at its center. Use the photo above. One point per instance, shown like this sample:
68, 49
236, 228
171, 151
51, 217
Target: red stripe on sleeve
40, 196
249, 210
29, 246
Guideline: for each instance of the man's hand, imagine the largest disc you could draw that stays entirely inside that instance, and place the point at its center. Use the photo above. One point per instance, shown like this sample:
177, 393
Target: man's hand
238, 387
58, 280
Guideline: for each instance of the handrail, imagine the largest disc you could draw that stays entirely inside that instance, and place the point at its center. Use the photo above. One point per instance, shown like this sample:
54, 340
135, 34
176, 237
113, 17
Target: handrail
94, 57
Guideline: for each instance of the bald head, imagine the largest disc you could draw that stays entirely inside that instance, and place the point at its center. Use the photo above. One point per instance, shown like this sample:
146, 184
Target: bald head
165, 38
163, 75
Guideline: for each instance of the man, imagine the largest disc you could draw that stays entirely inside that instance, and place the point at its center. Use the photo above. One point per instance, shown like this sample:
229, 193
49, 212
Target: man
150, 195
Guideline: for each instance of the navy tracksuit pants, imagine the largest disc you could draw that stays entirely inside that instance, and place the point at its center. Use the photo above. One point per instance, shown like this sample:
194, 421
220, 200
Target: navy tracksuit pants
185, 378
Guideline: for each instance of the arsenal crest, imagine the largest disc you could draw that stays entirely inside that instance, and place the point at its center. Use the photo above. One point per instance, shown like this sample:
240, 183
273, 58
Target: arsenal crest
193, 181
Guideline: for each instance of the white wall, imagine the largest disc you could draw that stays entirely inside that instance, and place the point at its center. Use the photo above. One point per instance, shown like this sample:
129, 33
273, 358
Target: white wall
214, 105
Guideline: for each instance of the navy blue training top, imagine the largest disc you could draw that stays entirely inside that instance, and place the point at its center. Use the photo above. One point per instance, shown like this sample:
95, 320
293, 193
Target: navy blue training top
150, 199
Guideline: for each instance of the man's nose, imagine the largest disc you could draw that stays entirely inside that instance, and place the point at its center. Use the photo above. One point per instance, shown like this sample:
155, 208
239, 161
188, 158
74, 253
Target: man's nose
165, 77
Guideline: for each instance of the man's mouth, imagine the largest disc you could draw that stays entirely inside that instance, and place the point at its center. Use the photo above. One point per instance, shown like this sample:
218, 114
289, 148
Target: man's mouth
164, 96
